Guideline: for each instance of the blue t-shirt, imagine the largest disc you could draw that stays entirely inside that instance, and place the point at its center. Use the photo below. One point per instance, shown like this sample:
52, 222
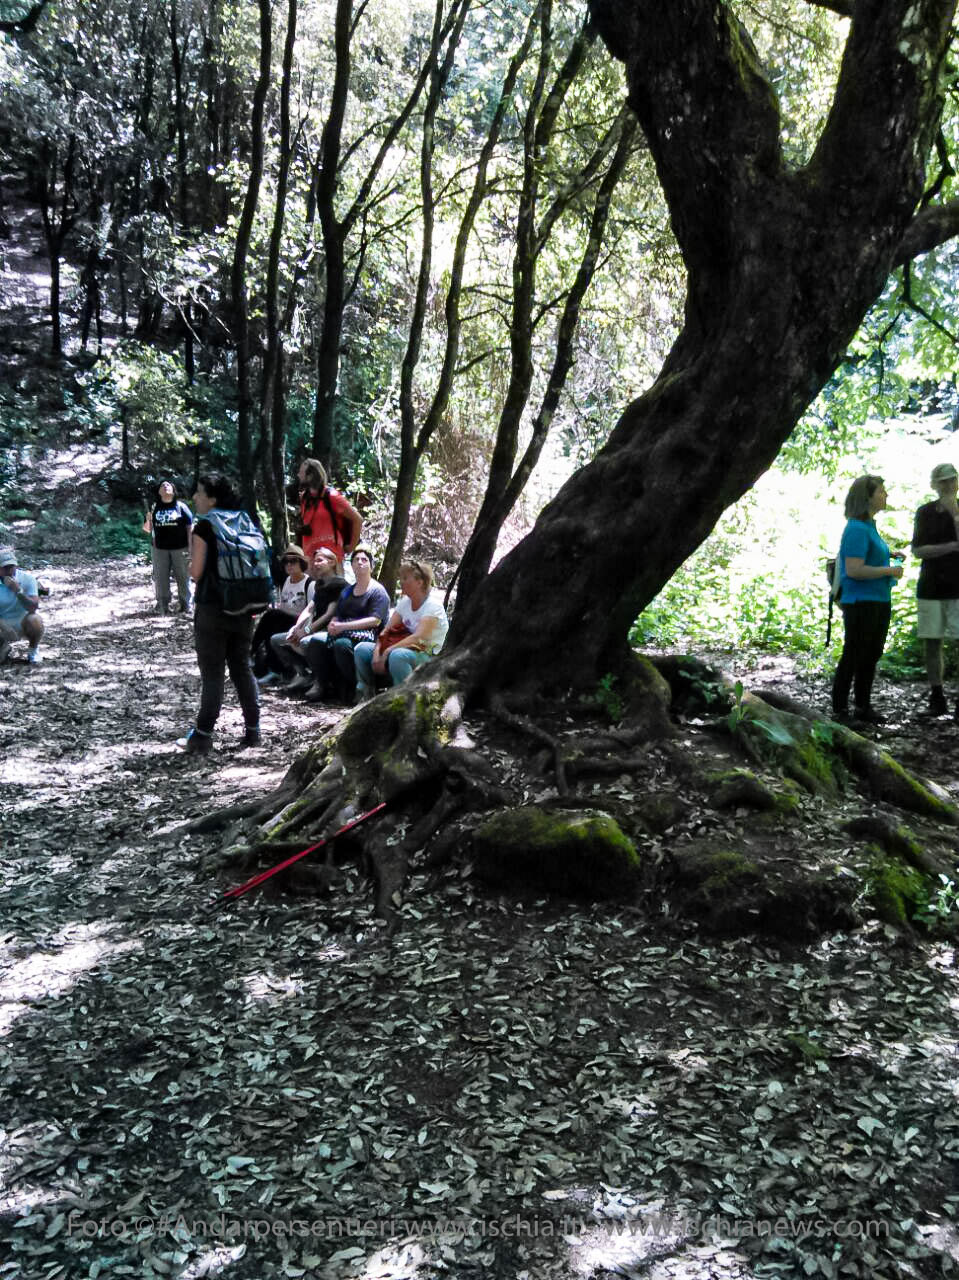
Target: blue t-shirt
861, 541
11, 610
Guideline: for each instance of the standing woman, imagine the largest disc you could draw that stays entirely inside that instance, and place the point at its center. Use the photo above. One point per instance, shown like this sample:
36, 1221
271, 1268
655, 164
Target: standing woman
326, 518
168, 523
867, 577
222, 639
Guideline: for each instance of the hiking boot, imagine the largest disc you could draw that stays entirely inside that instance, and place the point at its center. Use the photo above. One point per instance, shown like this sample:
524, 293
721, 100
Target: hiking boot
196, 743
315, 693
298, 684
251, 738
938, 706
5, 647
34, 657
866, 715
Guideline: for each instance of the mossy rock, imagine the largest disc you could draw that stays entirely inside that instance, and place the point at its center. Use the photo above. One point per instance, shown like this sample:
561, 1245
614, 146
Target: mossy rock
741, 788
896, 891
716, 886
660, 810
578, 854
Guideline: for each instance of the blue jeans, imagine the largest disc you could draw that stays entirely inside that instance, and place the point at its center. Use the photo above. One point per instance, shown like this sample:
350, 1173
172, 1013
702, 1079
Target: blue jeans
400, 663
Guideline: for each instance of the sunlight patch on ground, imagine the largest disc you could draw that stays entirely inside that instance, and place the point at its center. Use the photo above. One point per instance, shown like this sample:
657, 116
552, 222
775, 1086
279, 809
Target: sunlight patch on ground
213, 1262
47, 974
400, 1261
271, 986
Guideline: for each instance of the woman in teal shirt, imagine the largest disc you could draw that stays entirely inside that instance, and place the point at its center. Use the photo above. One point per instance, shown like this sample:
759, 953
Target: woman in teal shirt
867, 575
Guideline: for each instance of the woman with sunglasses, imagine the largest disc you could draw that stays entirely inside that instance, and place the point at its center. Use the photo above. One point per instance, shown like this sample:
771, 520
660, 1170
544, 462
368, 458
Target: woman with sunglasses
292, 600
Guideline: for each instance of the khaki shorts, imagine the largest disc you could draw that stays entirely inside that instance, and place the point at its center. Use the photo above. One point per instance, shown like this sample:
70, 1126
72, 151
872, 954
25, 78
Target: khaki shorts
938, 619
9, 632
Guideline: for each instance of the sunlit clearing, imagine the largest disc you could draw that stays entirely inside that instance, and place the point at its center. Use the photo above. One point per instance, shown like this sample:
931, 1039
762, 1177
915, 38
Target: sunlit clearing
45, 974
615, 1246
26, 1198
397, 1261
271, 986
213, 1262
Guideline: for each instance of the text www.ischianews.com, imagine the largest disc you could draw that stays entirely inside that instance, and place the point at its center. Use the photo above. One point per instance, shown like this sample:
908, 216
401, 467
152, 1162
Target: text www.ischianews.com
657, 1226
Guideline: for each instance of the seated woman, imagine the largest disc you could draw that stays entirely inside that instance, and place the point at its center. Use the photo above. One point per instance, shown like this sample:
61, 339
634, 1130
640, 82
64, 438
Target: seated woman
291, 601
359, 614
290, 647
415, 632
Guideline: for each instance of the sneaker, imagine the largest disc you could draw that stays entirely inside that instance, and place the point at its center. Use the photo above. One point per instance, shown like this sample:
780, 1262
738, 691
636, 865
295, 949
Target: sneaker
196, 743
298, 684
251, 738
5, 647
938, 706
34, 657
315, 693
270, 678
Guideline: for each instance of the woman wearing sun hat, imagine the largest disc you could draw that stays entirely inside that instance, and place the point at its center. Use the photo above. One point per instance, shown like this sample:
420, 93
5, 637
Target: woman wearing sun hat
292, 599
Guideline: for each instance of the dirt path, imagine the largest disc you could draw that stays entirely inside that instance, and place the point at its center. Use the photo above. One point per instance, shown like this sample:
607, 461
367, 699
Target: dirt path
502, 1090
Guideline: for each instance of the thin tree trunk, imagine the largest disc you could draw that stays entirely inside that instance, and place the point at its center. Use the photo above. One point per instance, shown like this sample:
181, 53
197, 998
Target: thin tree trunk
238, 282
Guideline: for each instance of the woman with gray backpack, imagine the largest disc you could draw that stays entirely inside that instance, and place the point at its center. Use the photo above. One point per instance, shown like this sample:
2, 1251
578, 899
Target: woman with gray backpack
230, 566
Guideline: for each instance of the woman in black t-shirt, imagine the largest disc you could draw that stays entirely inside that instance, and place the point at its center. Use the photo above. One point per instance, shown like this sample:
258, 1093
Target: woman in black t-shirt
168, 523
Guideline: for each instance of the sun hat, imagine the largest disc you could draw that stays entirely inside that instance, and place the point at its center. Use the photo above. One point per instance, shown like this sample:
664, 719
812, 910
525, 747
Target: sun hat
944, 471
295, 552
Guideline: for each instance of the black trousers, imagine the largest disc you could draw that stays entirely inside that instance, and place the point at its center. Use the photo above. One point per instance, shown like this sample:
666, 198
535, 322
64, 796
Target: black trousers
866, 625
224, 641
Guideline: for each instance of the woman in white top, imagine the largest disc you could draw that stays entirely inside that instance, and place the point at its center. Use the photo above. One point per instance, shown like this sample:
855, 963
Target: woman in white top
415, 632
291, 601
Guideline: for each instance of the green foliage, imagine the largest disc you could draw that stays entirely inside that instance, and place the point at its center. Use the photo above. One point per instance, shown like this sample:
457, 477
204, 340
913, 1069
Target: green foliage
941, 905
116, 534
608, 698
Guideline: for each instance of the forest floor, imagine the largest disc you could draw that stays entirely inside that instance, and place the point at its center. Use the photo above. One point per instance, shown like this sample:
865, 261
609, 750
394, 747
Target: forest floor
522, 1089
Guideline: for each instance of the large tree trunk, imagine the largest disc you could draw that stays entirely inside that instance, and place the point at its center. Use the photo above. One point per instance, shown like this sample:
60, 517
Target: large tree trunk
782, 265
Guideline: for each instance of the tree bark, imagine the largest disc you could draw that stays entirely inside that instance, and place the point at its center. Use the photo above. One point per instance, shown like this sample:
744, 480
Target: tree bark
782, 265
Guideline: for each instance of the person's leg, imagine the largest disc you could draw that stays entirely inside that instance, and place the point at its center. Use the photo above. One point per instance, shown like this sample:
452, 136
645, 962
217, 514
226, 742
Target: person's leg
345, 668
8, 635
875, 629
319, 658
842, 680
210, 640
181, 572
284, 657
161, 578
238, 636
32, 627
365, 679
401, 662
930, 630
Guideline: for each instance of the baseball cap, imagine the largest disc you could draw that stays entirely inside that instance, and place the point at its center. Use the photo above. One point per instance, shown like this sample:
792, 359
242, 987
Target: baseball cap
7, 556
944, 471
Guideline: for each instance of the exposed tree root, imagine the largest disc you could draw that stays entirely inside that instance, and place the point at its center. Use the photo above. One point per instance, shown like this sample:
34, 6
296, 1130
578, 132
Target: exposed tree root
522, 724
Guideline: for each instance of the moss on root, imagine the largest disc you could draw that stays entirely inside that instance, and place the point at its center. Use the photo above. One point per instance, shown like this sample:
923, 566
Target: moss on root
581, 854
896, 891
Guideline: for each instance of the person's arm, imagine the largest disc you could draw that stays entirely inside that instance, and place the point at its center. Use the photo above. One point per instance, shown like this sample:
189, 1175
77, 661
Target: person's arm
857, 569
148, 524
197, 558
28, 602
422, 637
323, 622
356, 525
370, 623
933, 550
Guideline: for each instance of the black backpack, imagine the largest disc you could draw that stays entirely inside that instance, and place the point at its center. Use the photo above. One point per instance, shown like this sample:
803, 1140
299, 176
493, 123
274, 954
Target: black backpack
242, 562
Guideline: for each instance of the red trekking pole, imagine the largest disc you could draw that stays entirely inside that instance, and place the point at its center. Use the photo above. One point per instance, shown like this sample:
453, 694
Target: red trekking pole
237, 891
